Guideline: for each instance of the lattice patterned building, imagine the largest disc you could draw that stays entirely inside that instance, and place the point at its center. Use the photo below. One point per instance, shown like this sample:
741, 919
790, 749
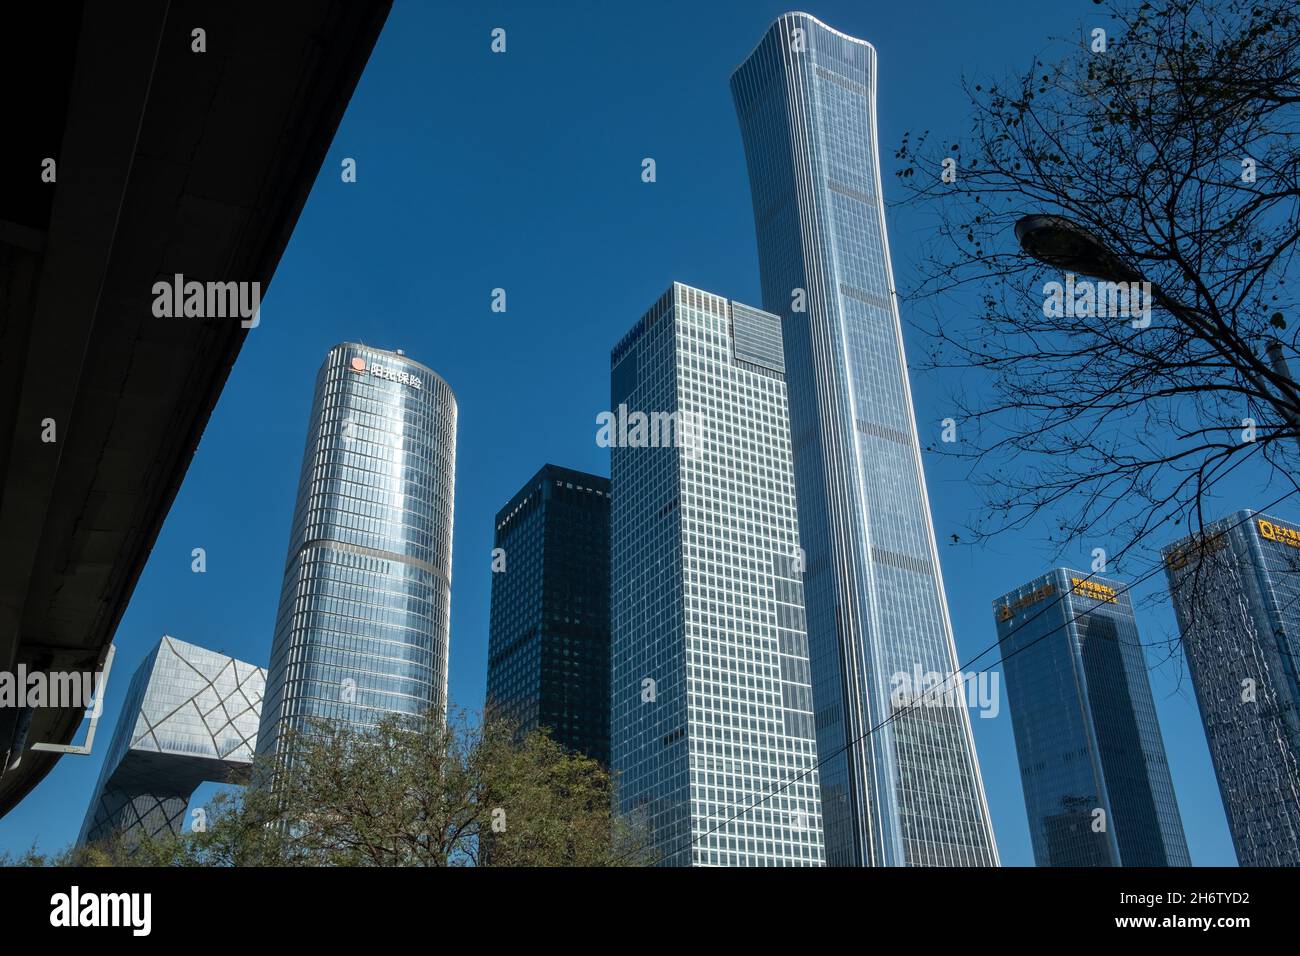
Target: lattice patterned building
190, 716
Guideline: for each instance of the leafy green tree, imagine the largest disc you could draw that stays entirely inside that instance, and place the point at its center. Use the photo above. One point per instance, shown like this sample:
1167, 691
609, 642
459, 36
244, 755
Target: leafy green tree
405, 793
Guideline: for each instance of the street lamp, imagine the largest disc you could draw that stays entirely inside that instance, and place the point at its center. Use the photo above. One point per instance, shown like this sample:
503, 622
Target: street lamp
1057, 242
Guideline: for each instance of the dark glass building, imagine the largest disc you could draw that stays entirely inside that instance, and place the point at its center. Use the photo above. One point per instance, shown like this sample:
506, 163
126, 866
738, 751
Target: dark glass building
548, 649
1236, 591
1092, 762
899, 788
363, 622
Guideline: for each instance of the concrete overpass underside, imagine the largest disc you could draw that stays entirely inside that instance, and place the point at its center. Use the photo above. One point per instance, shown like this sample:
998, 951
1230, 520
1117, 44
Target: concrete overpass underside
166, 161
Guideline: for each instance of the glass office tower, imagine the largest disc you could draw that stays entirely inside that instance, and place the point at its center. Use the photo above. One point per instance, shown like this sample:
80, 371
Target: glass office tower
1092, 762
364, 610
710, 707
548, 642
190, 716
1236, 592
907, 790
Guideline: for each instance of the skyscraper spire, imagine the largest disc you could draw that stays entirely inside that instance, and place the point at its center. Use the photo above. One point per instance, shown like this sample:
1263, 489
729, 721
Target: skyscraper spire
899, 787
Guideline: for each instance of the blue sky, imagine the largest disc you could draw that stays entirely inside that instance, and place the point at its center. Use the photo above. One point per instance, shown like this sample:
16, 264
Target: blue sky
522, 171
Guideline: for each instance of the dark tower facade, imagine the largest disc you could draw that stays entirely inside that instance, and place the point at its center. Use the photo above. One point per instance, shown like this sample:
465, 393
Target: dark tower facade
1092, 760
548, 650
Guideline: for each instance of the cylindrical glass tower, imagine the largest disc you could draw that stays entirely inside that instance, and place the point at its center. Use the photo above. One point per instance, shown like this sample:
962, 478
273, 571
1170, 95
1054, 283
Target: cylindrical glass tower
362, 628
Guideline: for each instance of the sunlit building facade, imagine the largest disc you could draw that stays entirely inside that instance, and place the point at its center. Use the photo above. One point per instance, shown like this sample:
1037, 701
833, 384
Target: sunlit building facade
1236, 592
899, 787
190, 716
1092, 762
364, 616
711, 712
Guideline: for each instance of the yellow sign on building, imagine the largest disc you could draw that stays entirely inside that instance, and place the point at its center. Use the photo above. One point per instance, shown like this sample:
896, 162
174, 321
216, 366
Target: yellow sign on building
1179, 559
1094, 590
1007, 611
1272, 531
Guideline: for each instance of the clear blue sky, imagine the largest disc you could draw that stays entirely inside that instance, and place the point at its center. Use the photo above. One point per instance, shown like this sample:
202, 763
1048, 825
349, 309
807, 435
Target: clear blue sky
522, 171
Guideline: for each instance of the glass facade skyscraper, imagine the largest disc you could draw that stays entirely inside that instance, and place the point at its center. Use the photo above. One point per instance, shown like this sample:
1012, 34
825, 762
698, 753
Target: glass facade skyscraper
362, 628
1092, 761
1236, 592
898, 787
548, 645
710, 706
190, 716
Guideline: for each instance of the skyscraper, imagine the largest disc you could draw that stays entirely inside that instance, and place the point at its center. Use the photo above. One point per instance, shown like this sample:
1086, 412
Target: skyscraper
363, 623
710, 708
1236, 592
548, 646
190, 716
898, 787
1092, 762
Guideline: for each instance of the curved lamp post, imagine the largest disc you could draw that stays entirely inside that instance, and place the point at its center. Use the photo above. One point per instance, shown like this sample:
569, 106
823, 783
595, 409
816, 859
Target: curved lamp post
1056, 241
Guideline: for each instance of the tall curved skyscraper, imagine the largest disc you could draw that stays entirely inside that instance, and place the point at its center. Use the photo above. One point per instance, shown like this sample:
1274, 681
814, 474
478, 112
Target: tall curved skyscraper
363, 623
899, 786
